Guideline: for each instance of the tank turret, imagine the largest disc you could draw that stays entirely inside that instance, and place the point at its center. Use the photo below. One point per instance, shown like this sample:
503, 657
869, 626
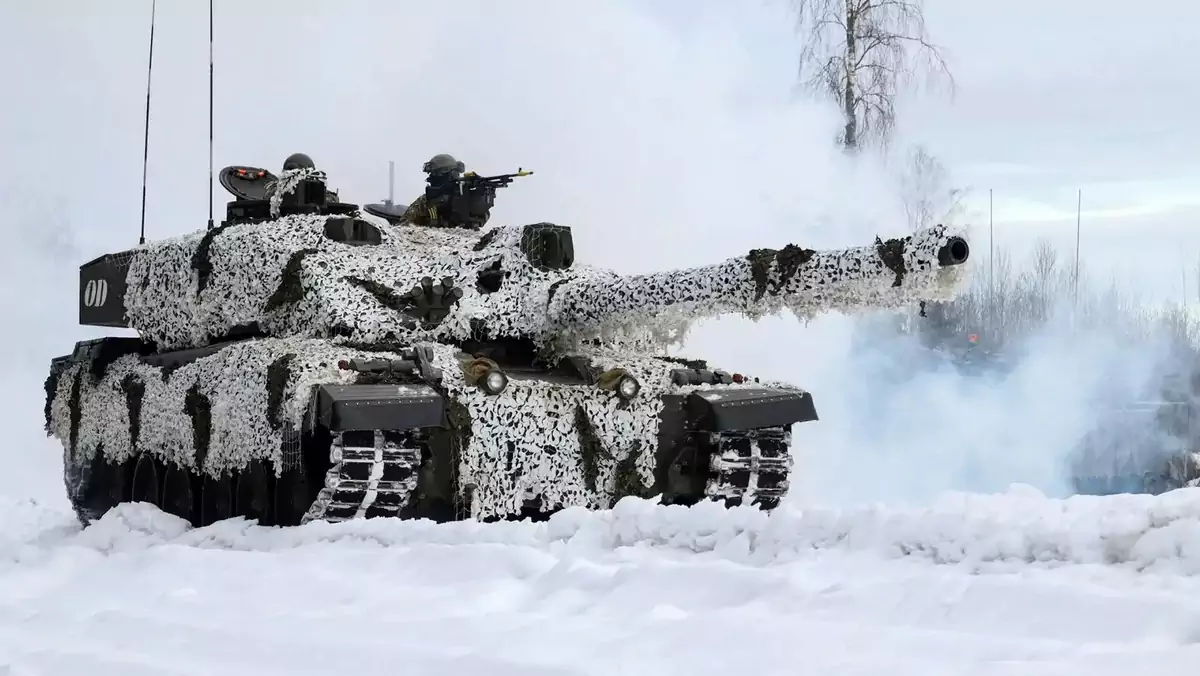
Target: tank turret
305, 360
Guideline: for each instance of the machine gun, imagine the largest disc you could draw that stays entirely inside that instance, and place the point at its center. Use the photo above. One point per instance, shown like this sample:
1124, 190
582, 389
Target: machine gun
473, 181
468, 201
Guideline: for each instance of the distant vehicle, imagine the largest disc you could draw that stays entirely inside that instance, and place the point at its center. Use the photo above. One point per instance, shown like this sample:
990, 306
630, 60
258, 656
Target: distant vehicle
1145, 446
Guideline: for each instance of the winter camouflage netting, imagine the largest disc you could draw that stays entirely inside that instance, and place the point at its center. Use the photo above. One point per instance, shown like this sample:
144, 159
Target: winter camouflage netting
156, 405
565, 443
289, 278
325, 300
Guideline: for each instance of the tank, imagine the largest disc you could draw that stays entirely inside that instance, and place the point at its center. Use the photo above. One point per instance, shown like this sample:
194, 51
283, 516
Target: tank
307, 360
1143, 446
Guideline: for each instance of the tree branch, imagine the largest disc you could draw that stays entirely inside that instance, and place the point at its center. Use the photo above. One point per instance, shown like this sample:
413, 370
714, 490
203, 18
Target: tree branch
890, 47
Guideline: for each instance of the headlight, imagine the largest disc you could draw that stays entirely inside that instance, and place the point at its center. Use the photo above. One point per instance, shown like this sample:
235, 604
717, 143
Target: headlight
494, 381
628, 387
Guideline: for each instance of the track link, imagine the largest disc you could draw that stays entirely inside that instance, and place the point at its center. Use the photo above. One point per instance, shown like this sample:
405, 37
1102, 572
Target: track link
373, 475
750, 467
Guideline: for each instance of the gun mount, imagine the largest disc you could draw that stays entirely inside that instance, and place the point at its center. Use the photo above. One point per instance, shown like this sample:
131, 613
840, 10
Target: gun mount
306, 361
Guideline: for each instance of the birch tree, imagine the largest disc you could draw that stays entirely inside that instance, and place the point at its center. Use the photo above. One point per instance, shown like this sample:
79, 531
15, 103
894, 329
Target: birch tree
859, 53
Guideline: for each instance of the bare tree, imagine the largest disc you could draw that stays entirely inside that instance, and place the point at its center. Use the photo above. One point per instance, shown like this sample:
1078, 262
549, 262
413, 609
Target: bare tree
860, 52
1026, 299
927, 199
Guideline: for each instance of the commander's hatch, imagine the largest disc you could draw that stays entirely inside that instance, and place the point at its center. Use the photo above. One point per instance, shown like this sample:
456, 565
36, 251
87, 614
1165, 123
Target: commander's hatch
251, 183
246, 183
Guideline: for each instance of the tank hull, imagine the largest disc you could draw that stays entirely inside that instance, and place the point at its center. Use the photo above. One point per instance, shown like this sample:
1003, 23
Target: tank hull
288, 431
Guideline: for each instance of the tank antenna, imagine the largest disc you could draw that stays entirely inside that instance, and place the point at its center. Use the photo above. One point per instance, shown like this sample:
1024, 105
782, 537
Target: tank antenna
210, 114
146, 139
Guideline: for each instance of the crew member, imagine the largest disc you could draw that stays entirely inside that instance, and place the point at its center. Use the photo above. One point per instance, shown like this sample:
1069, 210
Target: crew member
435, 207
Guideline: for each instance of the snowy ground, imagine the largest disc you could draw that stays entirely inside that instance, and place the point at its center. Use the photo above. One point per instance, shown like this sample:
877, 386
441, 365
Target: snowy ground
981, 585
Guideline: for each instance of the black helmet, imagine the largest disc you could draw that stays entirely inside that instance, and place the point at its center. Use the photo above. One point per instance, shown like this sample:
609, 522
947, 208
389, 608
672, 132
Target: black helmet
443, 164
298, 161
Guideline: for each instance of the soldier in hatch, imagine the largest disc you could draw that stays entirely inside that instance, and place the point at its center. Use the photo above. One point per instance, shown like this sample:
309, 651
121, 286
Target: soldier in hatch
454, 197
435, 207
298, 161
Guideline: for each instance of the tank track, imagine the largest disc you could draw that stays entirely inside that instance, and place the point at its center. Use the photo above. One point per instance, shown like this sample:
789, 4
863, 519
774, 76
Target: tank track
750, 467
373, 475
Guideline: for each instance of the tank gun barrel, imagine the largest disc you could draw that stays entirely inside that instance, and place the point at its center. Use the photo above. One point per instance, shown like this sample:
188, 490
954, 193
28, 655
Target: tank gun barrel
925, 265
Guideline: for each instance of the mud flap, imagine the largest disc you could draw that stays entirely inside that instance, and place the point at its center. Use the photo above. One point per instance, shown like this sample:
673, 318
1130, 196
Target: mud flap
342, 408
723, 410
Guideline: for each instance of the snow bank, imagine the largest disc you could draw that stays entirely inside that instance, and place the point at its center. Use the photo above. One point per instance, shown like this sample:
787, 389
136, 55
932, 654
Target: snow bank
30, 523
1145, 533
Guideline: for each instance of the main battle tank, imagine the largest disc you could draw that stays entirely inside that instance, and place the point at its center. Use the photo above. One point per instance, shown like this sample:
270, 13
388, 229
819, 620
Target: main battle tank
307, 360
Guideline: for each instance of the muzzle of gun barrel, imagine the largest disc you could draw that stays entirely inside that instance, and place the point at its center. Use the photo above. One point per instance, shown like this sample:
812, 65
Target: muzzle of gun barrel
954, 252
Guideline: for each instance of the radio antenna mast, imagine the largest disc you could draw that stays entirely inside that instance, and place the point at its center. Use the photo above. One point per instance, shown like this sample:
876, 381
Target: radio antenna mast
210, 114
146, 136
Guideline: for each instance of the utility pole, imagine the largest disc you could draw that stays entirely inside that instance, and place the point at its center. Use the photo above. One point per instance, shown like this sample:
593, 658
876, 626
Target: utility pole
1078, 221
991, 247
991, 294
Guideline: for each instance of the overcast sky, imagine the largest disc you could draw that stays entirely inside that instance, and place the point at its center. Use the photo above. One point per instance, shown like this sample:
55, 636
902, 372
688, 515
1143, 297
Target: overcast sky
666, 132
1052, 97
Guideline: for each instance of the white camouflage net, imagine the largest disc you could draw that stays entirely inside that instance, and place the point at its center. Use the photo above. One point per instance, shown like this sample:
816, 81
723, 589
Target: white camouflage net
523, 442
319, 297
166, 304
235, 382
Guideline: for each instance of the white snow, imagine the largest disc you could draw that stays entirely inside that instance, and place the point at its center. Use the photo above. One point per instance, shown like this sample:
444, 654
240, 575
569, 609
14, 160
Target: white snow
1005, 584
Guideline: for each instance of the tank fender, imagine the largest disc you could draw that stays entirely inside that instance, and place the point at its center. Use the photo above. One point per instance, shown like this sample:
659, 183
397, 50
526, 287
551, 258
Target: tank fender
341, 408
723, 410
